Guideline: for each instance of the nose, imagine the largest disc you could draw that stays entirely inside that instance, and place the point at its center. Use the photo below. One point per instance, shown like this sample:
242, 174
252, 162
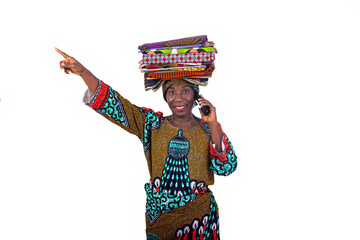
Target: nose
179, 96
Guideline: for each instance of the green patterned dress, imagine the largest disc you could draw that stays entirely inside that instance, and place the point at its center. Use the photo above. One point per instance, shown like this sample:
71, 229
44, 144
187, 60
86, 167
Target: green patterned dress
181, 163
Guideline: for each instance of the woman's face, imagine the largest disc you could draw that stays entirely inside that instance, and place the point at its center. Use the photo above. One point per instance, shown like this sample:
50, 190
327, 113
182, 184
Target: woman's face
180, 99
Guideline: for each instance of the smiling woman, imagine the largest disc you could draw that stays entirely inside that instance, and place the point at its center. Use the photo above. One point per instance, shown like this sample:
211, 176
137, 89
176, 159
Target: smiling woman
183, 153
180, 98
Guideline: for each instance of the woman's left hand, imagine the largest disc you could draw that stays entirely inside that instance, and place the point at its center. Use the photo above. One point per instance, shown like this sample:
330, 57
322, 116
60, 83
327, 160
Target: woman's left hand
211, 118
212, 123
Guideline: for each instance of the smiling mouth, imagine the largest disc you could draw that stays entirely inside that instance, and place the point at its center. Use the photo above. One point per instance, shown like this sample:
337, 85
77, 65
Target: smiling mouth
180, 108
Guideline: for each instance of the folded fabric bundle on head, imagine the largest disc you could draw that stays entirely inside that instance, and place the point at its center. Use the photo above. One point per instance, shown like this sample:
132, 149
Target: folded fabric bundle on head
189, 41
191, 59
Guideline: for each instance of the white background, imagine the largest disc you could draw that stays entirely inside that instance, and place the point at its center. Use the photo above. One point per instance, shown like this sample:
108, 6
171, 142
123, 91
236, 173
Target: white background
286, 88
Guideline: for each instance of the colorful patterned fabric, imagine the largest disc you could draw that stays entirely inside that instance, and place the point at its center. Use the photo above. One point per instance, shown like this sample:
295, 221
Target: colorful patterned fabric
190, 69
181, 74
191, 59
189, 41
178, 58
180, 69
181, 163
170, 65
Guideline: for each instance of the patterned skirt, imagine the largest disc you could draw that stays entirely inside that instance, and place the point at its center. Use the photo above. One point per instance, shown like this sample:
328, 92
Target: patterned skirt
196, 220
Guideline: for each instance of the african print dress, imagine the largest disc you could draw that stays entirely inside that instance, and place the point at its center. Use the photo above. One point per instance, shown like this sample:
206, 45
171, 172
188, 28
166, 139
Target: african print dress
181, 163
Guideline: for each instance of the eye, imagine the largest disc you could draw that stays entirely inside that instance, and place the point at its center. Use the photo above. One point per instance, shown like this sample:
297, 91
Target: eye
171, 92
186, 91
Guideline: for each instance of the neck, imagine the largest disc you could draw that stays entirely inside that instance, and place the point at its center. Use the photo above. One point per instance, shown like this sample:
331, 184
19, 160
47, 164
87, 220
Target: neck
185, 119
182, 122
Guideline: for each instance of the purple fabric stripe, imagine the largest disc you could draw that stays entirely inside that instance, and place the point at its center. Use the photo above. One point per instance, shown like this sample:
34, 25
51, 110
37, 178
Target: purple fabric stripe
202, 39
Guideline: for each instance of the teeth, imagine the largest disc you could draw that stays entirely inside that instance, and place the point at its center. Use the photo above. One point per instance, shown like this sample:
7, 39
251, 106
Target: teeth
180, 107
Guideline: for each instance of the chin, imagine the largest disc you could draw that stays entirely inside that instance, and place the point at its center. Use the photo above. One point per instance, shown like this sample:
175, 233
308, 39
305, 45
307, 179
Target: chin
183, 113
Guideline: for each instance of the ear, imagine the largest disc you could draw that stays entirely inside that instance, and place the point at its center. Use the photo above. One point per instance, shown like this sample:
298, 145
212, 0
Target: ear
164, 95
196, 95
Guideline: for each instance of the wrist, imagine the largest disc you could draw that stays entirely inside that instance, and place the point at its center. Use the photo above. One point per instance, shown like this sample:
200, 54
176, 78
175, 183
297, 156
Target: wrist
213, 124
84, 73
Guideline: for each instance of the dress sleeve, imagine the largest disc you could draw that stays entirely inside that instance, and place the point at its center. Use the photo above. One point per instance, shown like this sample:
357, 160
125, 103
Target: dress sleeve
110, 104
223, 163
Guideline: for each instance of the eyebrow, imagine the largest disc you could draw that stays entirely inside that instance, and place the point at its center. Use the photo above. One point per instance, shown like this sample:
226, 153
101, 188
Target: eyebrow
185, 86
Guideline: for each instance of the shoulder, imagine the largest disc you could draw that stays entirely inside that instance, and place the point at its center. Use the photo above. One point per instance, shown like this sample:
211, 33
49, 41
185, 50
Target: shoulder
203, 125
148, 111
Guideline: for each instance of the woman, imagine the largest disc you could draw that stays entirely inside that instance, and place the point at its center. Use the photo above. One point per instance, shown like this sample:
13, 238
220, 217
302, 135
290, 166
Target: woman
183, 152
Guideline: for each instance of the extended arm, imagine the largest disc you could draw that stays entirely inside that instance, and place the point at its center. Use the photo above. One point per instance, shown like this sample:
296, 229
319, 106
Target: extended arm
110, 104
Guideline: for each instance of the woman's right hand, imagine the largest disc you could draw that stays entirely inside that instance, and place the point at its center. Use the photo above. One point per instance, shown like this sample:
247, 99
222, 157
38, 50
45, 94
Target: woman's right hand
70, 64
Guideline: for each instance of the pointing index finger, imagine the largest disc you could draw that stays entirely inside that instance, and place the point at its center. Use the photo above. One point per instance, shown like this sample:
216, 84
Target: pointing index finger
62, 53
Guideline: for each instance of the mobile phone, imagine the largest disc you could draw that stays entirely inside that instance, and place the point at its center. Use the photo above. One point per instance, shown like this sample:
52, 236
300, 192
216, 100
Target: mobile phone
204, 109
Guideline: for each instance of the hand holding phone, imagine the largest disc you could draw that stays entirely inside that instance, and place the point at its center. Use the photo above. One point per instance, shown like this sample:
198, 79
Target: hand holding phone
204, 109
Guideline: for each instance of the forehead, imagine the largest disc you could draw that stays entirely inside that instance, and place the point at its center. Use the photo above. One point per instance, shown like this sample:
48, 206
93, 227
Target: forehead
179, 86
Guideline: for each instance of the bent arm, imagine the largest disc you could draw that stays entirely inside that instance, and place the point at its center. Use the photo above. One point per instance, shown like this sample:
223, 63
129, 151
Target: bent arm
216, 135
223, 162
